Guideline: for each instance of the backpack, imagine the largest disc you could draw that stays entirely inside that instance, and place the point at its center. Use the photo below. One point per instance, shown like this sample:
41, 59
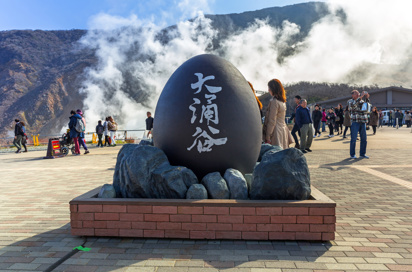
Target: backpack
100, 130
79, 127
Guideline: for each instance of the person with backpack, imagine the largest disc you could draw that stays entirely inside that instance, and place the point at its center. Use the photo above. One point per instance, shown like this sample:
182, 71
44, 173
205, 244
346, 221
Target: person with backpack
18, 135
75, 125
99, 132
112, 126
106, 132
82, 141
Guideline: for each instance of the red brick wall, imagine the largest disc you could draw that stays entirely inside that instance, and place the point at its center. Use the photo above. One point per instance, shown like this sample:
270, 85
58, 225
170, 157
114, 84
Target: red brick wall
205, 222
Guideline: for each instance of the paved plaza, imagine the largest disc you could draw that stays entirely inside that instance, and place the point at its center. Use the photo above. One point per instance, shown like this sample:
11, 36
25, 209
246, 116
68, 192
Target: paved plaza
374, 216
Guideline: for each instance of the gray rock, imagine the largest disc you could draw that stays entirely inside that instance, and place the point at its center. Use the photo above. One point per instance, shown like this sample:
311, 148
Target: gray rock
281, 175
107, 191
143, 171
171, 182
125, 151
134, 167
196, 191
146, 142
267, 147
249, 180
216, 186
236, 183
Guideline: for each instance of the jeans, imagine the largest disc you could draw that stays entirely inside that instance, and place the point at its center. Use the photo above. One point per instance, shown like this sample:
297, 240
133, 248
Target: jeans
100, 143
374, 129
380, 122
306, 136
317, 126
330, 129
82, 143
17, 141
323, 126
293, 132
354, 130
112, 132
346, 129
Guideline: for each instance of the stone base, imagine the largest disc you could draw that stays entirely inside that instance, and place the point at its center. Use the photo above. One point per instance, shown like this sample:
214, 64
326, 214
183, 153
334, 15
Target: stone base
311, 220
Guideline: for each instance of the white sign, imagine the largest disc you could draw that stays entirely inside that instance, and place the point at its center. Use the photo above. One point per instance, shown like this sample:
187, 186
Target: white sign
209, 114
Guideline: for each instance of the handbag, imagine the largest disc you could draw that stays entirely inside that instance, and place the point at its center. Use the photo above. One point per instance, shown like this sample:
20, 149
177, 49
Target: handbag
337, 119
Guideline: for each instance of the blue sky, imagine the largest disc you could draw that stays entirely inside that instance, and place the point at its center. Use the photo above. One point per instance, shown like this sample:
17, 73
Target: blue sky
75, 14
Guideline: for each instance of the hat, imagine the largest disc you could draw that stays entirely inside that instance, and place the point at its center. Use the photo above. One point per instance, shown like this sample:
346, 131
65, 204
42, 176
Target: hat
79, 112
16, 120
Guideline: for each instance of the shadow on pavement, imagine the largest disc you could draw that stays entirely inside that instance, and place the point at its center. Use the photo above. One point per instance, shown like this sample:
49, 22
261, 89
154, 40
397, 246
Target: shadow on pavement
39, 252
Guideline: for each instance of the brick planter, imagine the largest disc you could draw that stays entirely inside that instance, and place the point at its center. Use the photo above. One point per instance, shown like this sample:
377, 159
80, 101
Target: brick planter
312, 219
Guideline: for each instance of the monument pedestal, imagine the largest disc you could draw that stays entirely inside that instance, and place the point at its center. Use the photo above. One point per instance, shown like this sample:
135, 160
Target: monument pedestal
311, 220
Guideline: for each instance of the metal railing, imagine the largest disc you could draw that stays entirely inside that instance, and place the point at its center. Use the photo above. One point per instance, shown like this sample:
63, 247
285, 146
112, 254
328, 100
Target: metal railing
39, 139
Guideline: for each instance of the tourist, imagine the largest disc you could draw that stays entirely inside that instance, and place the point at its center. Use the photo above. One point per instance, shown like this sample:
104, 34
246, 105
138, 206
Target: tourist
374, 119
99, 132
390, 122
394, 118
149, 125
295, 127
339, 119
275, 130
18, 135
346, 121
24, 138
324, 120
106, 132
359, 119
82, 135
330, 117
112, 126
317, 117
380, 118
398, 117
408, 118
73, 132
401, 118
304, 123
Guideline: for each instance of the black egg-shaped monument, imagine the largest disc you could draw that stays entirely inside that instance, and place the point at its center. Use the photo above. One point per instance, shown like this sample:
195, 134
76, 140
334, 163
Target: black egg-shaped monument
207, 118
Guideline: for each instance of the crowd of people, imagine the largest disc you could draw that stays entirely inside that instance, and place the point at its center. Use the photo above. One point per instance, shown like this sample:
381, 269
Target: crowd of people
77, 127
399, 118
357, 116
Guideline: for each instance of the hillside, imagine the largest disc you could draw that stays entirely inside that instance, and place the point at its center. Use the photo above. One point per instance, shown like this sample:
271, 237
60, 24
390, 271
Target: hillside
41, 71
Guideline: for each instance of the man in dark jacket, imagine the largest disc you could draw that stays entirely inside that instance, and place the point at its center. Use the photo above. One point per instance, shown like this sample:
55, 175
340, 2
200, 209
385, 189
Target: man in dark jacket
18, 135
316, 117
74, 134
295, 127
99, 132
149, 124
304, 122
398, 119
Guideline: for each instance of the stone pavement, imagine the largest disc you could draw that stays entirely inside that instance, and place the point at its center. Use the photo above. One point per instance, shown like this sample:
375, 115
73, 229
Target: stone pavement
374, 216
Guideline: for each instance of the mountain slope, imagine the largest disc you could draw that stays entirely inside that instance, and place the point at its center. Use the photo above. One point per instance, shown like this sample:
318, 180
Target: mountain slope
41, 72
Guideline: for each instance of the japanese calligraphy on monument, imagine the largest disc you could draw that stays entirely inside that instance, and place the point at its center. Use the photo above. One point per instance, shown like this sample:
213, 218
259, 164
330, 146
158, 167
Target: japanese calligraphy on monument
206, 112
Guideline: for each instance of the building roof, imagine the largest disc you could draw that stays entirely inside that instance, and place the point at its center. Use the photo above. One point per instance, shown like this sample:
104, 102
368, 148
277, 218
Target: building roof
347, 97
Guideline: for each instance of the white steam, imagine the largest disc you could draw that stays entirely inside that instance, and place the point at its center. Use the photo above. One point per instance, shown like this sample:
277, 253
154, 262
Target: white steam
371, 43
